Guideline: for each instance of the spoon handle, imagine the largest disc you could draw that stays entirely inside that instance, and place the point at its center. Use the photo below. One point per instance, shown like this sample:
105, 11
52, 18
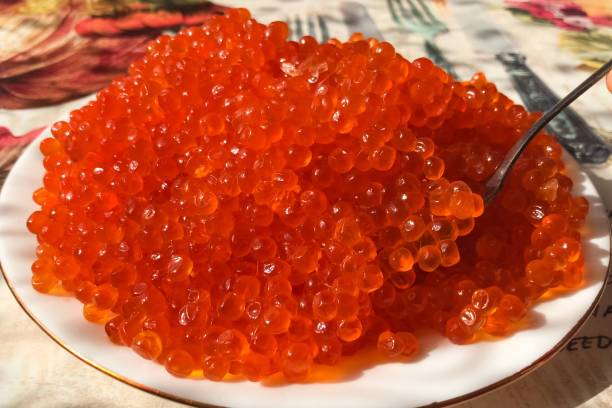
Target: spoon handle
495, 183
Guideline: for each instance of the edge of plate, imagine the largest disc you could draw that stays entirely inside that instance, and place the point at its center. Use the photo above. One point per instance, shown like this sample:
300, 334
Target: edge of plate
453, 401
540, 361
94, 364
445, 403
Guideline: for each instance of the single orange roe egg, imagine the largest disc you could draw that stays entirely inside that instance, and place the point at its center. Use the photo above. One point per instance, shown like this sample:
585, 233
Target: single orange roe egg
349, 329
401, 259
297, 361
147, 344
411, 344
511, 307
429, 258
215, 367
325, 305
457, 332
179, 363
93, 313
390, 345
255, 366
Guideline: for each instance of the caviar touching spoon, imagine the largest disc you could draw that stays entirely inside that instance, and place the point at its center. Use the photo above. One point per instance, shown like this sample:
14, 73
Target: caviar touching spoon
495, 183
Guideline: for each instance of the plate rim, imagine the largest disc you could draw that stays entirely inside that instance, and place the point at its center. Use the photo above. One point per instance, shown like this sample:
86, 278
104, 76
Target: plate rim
445, 403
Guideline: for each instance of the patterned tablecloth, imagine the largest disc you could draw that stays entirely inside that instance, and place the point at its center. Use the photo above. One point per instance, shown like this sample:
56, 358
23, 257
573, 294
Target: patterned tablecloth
54, 53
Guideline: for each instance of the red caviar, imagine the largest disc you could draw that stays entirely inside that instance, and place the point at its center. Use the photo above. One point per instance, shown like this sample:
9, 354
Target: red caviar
244, 204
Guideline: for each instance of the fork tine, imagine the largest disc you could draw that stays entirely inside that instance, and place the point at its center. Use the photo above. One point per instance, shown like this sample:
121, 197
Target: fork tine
291, 30
403, 13
427, 11
324, 29
299, 32
415, 12
396, 14
311, 26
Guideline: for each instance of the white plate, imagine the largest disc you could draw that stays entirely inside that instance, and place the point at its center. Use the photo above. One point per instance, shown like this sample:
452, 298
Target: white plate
445, 372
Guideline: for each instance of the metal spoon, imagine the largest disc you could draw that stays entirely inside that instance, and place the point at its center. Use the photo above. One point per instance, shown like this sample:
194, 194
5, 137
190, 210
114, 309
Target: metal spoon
495, 183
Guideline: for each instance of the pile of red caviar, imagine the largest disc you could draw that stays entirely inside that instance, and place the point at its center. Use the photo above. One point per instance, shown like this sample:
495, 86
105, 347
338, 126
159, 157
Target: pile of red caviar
244, 204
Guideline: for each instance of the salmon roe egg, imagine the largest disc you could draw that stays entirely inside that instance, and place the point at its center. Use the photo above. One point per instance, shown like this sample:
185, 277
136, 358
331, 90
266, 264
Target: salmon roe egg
243, 205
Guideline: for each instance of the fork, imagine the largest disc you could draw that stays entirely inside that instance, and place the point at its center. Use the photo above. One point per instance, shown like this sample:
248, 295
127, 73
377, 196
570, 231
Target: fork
414, 16
495, 183
313, 25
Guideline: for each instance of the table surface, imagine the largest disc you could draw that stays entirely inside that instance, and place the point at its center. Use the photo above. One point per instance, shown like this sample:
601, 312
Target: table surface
53, 54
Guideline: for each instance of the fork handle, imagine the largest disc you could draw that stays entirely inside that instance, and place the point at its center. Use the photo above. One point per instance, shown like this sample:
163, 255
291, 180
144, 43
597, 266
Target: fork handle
435, 54
568, 127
